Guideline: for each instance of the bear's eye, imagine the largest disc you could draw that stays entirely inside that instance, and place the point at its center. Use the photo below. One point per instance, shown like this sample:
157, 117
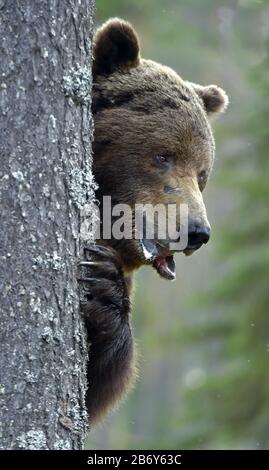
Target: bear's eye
164, 161
162, 158
202, 179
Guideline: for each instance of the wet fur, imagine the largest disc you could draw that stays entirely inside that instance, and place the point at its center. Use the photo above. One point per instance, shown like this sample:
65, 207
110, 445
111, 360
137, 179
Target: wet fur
141, 109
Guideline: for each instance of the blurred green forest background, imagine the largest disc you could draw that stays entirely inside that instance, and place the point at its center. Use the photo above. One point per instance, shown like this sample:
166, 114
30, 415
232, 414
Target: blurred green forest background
204, 339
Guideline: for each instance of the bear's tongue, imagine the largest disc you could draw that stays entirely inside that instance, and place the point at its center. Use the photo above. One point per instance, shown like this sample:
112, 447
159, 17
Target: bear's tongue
165, 266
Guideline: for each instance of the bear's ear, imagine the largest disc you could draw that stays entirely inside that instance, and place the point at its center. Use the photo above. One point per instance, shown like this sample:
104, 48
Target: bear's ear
116, 45
214, 98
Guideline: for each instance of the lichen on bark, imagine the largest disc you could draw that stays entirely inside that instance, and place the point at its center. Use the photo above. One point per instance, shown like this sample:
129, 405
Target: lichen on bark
45, 179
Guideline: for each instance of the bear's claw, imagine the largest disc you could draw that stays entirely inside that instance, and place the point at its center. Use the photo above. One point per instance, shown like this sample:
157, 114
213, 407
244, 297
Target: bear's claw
103, 251
103, 278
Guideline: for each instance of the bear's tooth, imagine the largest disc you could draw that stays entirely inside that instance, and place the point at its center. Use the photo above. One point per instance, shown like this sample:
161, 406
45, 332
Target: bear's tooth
149, 249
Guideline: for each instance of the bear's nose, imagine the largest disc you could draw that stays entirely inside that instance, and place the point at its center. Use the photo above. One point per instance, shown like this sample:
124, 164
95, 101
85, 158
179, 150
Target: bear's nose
198, 235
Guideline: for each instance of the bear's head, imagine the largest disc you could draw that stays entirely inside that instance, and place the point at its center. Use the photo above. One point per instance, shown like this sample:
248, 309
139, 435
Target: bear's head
153, 142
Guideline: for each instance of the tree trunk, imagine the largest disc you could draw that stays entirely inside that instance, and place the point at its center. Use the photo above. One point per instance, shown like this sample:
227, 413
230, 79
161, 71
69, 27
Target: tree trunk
45, 179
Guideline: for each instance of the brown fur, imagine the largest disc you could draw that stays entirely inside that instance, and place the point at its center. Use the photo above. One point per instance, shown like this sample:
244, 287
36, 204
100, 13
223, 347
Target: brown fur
142, 109
116, 44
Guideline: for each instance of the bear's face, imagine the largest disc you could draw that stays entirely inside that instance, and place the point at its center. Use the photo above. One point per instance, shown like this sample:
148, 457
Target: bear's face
153, 141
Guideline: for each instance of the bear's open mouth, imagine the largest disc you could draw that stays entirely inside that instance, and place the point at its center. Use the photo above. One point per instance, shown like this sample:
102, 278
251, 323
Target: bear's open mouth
160, 258
165, 266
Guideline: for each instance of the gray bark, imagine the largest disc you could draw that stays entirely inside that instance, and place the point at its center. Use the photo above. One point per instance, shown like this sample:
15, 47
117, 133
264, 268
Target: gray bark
45, 179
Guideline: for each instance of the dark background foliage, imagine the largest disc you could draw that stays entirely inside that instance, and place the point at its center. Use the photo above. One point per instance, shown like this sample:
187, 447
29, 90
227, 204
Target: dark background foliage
204, 339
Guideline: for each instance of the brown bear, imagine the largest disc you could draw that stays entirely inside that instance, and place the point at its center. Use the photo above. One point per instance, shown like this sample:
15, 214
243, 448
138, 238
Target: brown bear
153, 144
